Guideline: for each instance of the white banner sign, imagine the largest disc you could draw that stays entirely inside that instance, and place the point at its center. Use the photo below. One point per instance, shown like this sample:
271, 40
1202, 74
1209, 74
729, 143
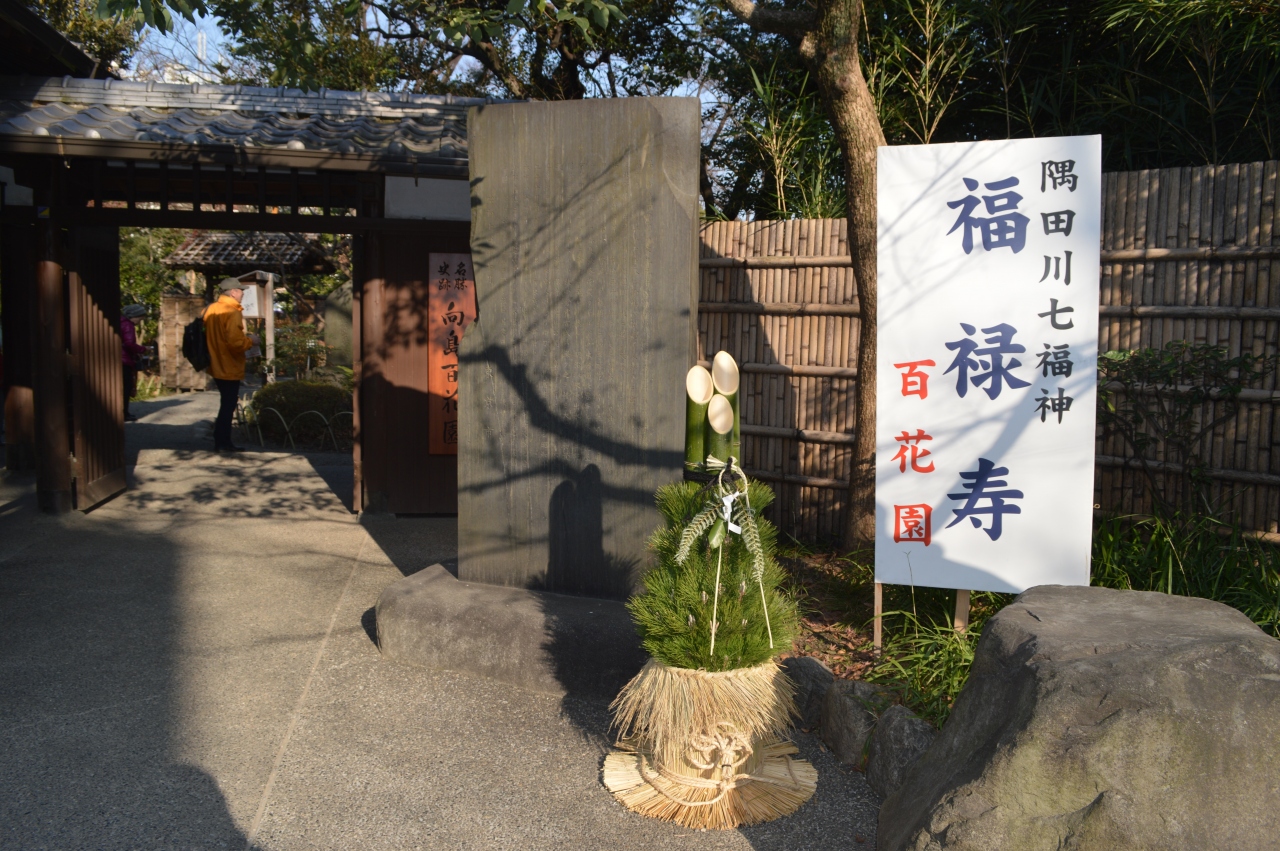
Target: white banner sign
987, 362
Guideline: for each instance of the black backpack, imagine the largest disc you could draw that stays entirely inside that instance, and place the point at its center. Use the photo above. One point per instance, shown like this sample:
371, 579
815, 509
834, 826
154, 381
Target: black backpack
195, 346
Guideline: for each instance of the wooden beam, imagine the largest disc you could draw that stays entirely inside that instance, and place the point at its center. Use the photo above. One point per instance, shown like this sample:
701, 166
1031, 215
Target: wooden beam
217, 220
877, 624
1247, 394
803, 435
778, 308
1189, 311
1228, 253
793, 479
1225, 253
1242, 476
796, 261
962, 610
786, 369
62, 147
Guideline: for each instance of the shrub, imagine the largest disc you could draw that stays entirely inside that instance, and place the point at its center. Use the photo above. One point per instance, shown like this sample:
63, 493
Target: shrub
299, 350
305, 410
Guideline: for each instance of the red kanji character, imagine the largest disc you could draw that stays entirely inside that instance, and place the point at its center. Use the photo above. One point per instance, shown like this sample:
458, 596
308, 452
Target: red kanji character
911, 452
911, 524
915, 382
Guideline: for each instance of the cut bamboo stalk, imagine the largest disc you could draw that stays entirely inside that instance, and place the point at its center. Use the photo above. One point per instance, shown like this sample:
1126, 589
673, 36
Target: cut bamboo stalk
719, 427
699, 390
727, 379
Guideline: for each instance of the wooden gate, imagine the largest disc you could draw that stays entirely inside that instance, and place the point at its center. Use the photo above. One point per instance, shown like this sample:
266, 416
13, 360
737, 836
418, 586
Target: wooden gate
97, 381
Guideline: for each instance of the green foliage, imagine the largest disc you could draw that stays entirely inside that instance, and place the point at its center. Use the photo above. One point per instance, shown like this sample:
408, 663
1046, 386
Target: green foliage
674, 614
927, 662
299, 350
918, 62
1166, 83
286, 408
304, 43
151, 13
516, 49
109, 39
1191, 556
1165, 404
800, 162
143, 278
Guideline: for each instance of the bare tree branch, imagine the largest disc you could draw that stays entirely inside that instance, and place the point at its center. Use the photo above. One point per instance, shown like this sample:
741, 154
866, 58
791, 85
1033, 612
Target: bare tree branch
785, 22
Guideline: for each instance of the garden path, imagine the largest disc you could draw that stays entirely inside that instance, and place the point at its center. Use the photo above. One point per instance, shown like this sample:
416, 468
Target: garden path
190, 666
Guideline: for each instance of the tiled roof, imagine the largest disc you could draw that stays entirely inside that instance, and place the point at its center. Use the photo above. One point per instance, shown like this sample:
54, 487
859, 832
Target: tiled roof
242, 252
387, 126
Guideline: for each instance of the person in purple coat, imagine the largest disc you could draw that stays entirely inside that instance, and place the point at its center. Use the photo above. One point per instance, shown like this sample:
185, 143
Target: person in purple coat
130, 351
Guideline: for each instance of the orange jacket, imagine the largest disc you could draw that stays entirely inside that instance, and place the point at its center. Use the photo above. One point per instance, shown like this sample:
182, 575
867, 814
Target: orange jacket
224, 329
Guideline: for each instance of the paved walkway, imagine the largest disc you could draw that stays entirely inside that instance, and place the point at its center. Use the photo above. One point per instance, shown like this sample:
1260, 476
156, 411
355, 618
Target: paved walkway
190, 666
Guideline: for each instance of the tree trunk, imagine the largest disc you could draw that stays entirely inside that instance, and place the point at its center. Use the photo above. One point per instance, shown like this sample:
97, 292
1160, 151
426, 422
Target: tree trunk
828, 40
831, 52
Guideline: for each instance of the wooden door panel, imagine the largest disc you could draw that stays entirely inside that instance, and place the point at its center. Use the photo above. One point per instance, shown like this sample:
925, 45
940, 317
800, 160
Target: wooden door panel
397, 472
97, 380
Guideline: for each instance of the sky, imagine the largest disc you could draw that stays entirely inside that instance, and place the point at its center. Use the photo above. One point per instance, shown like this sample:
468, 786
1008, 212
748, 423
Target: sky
184, 55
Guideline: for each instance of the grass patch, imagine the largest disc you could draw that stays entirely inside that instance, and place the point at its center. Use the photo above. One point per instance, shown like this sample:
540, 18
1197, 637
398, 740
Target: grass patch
1194, 557
926, 663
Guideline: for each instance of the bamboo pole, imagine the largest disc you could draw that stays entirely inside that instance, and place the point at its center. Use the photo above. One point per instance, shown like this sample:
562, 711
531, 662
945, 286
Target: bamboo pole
698, 392
719, 427
727, 380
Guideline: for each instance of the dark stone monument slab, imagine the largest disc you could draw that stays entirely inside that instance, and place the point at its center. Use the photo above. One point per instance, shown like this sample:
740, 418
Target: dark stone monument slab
571, 391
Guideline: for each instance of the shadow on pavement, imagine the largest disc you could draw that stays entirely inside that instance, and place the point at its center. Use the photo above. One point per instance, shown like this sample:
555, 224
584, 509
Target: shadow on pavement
90, 632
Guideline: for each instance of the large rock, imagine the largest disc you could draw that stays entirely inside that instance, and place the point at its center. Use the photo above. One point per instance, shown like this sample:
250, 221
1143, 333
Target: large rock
900, 738
849, 713
1103, 719
811, 679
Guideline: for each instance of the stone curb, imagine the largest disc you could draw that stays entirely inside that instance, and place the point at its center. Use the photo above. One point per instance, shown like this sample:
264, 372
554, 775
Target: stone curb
550, 643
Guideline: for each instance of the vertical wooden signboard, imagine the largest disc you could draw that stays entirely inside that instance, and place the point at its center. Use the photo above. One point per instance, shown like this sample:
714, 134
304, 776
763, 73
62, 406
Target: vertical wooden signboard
987, 363
451, 307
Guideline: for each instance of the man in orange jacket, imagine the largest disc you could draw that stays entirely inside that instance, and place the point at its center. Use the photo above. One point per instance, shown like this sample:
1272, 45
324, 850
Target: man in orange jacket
224, 331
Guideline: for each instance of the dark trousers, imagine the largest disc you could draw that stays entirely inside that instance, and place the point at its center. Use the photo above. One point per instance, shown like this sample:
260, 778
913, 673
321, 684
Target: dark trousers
130, 386
229, 389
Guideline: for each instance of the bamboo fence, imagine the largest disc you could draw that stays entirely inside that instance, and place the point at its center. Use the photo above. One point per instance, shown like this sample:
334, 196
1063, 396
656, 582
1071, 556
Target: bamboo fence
1190, 254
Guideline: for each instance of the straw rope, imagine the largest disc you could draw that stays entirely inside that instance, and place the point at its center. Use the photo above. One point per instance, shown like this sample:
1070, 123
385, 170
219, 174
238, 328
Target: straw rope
777, 787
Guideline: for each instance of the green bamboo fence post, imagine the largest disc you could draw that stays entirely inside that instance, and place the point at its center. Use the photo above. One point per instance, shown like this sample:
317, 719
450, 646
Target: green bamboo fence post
726, 378
698, 389
719, 427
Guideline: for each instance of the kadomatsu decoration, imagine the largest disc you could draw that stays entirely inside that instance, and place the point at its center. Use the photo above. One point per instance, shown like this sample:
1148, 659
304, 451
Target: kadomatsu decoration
713, 422
702, 726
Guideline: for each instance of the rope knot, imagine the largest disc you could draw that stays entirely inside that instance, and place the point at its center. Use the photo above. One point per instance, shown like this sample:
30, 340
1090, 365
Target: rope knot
723, 747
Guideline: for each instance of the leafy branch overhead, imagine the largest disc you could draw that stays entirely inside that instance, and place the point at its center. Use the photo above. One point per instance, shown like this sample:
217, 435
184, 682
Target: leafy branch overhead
462, 23
152, 13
